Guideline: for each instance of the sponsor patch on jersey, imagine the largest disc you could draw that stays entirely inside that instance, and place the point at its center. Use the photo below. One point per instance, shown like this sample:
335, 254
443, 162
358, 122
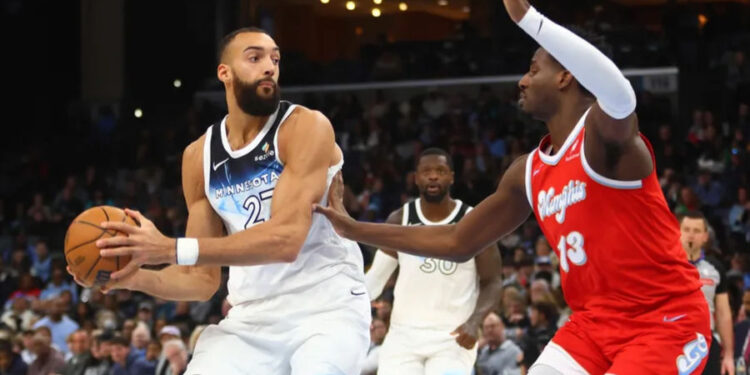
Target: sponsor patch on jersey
709, 282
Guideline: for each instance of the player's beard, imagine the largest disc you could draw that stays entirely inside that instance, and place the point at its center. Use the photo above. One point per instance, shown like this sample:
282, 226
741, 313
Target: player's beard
252, 103
434, 197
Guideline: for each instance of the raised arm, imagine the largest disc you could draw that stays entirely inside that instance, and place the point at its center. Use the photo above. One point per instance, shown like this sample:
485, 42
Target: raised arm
612, 121
499, 214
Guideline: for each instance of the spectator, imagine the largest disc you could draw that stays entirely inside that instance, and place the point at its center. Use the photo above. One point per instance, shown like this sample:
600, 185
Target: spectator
497, 356
543, 320
42, 263
57, 285
101, 350
26, 289
10, 362
147, 364
27, 353
168, 333
80, 348
58, 323
122, 357
139, 339
146, 313
378, 329
20, 316
177, 356
48, 359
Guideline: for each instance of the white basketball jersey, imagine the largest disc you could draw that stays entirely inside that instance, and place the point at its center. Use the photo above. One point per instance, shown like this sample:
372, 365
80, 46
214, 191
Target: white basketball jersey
239, 185
433, 293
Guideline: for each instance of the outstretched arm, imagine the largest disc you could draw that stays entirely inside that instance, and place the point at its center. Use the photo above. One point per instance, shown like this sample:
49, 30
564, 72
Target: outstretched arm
499, 214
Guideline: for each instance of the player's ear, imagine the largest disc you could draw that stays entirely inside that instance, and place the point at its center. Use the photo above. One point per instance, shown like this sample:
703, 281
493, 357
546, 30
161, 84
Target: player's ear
564, 79
224, 73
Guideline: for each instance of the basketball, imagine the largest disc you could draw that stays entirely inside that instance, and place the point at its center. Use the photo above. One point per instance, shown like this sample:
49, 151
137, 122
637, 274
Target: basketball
81, 251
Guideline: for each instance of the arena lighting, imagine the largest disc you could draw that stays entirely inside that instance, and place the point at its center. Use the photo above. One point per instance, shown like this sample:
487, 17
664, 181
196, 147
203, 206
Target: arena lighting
138, 113
325, 1
351, 5
403, 7
177, 83
442, 3
378, 2
375, 12
466, 9
702, 20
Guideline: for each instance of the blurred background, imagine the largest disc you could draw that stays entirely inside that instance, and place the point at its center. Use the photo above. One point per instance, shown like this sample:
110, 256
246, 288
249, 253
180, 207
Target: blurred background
101, 97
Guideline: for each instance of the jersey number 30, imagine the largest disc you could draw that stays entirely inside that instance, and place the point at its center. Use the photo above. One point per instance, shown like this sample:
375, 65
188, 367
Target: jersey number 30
254, 205
571, 250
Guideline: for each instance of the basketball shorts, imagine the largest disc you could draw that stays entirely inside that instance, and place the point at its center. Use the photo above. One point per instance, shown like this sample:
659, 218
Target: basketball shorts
323, 330
417, 351
672, 339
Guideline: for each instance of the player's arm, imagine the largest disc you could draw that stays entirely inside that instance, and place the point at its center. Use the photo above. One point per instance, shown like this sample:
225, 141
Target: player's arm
499, 214
184, 283
488, 265
612, 121
308, 146
383, 264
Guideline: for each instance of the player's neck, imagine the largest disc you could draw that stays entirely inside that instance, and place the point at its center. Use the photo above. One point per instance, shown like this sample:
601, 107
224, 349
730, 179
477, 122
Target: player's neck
242, 128
565, 120
437, 211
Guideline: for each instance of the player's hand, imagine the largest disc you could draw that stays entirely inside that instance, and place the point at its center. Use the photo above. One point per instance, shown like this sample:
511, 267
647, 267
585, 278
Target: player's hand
145, 245
336, 212
516, 9
124, 283
466, 335
727, 365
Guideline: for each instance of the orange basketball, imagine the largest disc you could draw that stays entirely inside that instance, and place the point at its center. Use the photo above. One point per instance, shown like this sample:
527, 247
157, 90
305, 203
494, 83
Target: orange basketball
81, 252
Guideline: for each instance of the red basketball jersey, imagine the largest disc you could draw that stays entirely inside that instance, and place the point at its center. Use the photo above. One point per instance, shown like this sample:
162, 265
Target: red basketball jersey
618, 243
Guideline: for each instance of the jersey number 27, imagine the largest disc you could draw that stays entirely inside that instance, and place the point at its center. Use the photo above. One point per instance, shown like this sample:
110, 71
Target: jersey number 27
254, 205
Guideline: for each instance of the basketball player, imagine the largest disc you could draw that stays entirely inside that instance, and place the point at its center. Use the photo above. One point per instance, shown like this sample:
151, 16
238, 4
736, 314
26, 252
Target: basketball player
591, 183
694, 236
297, 289
434, 298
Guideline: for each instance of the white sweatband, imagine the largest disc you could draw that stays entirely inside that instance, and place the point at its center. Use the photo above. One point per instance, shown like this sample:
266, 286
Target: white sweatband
187, 251
380, 271
593, 70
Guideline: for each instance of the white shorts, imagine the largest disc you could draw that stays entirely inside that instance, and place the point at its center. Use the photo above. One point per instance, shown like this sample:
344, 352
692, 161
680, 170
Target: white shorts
415, 351
323, 330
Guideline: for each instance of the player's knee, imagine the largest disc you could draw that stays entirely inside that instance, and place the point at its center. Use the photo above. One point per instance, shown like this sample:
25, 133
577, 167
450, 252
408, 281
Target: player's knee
542, 369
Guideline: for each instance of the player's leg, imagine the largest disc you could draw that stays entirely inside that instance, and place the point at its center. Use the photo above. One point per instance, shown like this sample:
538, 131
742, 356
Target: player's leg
571, 352
400, 355
233, 347
332, 341
449, 358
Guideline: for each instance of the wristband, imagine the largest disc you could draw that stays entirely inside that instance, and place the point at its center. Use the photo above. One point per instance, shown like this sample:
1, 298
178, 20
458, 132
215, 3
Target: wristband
187, 251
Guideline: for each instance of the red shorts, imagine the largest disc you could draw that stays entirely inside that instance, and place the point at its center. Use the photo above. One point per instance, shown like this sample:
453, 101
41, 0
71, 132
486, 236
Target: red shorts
673, 339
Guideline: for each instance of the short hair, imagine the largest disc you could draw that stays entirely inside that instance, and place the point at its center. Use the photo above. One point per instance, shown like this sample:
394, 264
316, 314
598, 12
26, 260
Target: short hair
119, 340
549, 310
696, 215
439, 152
230, 37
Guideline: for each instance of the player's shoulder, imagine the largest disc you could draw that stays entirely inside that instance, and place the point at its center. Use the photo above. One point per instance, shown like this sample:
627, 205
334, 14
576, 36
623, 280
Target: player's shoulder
194, 151
309, 117
395, 216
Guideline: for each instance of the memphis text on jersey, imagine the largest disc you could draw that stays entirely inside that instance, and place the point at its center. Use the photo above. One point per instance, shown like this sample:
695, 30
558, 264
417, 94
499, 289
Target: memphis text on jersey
549, 204
268, 177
